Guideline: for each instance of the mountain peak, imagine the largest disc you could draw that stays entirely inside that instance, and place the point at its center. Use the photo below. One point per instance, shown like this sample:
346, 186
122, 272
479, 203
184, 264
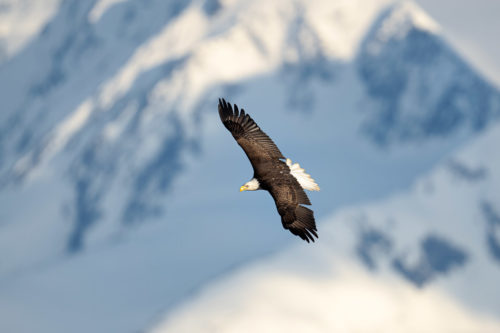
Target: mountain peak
404, 12
399, 61
396, 22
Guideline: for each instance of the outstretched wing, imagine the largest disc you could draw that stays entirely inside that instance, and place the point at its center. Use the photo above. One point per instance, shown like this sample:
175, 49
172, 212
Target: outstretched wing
294, 217
256, 144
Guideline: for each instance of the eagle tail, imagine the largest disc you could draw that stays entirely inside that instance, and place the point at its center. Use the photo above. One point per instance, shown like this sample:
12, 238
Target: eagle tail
305, 180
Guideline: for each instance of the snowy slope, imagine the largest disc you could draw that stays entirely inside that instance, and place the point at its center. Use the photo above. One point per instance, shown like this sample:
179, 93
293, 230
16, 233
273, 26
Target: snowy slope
114, 165
442, 235
20, 21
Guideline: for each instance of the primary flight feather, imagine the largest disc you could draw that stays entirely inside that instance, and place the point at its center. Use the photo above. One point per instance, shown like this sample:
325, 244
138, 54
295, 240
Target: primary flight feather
272, 172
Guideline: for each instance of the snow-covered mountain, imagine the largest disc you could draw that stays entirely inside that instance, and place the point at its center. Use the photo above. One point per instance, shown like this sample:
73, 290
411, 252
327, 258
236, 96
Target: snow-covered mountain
442, 234
118, 183
425, 75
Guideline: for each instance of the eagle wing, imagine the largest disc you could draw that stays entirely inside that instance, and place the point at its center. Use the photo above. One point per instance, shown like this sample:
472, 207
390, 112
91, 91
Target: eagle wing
256, 144
294, 217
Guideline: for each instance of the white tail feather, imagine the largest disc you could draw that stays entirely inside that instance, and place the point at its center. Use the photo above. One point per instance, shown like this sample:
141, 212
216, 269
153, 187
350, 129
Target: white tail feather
305, 180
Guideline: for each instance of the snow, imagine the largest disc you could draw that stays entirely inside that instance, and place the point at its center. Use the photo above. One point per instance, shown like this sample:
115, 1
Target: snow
341, 24
61, 135
470, 27
281, 295
100, 8
20, 21
406, 15
154, 52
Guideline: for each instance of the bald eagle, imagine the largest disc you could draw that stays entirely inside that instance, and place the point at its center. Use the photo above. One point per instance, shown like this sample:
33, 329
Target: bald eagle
272, 172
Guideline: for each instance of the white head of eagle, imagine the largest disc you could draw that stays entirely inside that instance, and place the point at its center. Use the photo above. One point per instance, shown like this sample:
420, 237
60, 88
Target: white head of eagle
251, 185
273, 172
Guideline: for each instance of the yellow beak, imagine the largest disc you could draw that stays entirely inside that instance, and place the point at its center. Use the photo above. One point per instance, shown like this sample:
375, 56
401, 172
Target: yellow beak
243, 188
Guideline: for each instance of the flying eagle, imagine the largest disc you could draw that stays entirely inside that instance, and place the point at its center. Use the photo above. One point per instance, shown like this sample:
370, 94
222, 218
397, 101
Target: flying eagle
272, 172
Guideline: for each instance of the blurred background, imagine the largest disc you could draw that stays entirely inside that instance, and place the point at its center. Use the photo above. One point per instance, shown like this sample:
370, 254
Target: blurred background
119, 202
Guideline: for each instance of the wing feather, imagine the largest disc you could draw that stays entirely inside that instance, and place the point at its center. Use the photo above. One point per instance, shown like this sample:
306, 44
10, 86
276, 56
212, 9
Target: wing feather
256, 144
303, 225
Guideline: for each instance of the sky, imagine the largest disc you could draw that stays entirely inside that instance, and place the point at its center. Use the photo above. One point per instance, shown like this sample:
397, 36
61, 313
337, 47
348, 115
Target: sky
472, 27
